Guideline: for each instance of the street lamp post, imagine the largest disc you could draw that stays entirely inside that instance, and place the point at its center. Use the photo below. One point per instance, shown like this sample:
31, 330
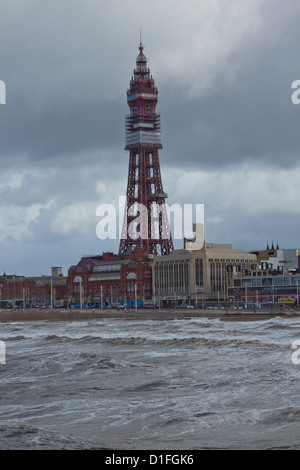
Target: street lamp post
51, 289
80, 292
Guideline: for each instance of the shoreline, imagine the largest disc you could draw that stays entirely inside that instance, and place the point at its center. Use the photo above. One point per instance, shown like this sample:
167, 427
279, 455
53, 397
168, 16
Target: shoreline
141, 314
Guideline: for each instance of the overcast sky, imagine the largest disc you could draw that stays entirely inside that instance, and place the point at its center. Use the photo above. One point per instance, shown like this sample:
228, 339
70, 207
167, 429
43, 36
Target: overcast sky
230, 132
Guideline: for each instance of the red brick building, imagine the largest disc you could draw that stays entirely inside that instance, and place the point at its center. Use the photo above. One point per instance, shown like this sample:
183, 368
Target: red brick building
111, 278
19, 291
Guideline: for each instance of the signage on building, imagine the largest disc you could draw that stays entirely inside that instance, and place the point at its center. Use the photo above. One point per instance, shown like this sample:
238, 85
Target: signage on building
172, 297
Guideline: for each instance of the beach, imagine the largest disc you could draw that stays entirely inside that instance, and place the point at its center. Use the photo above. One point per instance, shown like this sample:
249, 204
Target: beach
143, 314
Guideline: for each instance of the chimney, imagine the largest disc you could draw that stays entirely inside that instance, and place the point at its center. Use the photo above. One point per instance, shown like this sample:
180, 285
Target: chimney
57, 271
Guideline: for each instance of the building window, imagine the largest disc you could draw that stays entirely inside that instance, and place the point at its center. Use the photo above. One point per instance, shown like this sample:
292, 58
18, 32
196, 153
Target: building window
199, 272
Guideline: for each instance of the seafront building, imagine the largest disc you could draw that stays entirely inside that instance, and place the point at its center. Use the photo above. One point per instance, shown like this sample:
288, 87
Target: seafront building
193, 275
95, 281
287, 259
218, 272
111, 280
271, 285
33, 291
198, 272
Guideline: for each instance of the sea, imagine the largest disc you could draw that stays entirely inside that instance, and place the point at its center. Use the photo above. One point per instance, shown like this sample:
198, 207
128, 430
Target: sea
125, 384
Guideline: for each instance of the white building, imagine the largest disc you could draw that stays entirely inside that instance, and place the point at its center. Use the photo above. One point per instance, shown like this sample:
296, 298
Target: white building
288, 259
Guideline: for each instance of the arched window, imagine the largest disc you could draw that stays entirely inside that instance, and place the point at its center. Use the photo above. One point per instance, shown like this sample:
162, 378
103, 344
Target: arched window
131, 276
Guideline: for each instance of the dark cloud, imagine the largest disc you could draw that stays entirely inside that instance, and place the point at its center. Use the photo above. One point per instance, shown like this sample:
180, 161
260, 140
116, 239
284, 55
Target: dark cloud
251, 119
60, 128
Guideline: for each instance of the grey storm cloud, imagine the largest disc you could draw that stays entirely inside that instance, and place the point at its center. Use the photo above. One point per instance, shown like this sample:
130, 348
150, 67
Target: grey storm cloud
61, 128
66, 85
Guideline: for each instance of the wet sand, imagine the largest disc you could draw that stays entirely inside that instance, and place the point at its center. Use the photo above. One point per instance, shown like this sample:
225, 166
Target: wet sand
132, 314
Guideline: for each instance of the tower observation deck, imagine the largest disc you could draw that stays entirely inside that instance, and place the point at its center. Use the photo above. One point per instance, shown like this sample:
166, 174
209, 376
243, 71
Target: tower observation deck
146, 223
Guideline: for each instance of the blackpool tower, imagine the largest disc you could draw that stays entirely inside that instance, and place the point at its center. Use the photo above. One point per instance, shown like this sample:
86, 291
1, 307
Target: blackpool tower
146, 223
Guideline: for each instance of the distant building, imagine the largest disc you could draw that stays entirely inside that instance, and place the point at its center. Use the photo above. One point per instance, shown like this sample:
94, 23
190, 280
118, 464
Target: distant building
111, 279
269, 252
189, 275
265, 285
289, 259
33, 291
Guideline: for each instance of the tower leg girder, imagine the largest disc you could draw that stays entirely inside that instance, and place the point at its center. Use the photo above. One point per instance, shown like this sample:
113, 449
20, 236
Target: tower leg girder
145, 201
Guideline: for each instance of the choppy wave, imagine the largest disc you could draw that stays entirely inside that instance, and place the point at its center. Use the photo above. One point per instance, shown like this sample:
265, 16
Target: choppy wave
169, 340
14, 338
198, 383
19, 437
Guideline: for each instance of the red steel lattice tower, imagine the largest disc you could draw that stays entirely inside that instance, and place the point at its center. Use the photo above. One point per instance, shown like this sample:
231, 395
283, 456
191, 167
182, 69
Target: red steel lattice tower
146, 223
